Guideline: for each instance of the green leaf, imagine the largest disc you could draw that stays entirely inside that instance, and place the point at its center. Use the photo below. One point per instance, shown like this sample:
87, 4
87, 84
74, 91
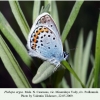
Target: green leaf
45, 9
47, 4
64, 83
57, 77
90, 80
14, 40
36, 9
66, 65
71, 19
54, 13
12, 66
78, 59
44, 71
97, 57
86, 56
20, 18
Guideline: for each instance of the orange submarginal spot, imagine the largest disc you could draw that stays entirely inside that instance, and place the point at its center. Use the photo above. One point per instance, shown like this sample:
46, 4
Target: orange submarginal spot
34, 40
37, 33
46, 30
34, 46
41, 30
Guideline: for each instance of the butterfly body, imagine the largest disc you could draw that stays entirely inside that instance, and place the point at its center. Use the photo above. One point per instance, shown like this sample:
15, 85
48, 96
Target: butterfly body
44, 40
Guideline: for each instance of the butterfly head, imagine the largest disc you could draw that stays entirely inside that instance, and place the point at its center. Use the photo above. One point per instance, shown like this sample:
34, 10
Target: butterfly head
66, 55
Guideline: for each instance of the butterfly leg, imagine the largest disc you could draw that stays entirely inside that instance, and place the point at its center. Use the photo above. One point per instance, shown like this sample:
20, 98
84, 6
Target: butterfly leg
54, 62
55, 69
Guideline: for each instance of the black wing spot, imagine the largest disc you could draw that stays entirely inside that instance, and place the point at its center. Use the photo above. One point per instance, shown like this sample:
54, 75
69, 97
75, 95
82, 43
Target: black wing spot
36, 31
44, 35
41, 44
48, 47
41, 36
53, 38
51, 25
48, 35
34, 35
40, 28
55, 45
38, 46
41, 41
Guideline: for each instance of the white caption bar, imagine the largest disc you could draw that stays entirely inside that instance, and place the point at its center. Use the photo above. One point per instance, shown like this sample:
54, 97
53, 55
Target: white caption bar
45, 94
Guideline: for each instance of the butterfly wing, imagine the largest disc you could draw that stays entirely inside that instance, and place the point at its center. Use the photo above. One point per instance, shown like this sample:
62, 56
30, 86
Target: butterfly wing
44, 40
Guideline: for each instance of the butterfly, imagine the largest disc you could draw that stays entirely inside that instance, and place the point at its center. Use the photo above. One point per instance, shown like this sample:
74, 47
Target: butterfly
44, 40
